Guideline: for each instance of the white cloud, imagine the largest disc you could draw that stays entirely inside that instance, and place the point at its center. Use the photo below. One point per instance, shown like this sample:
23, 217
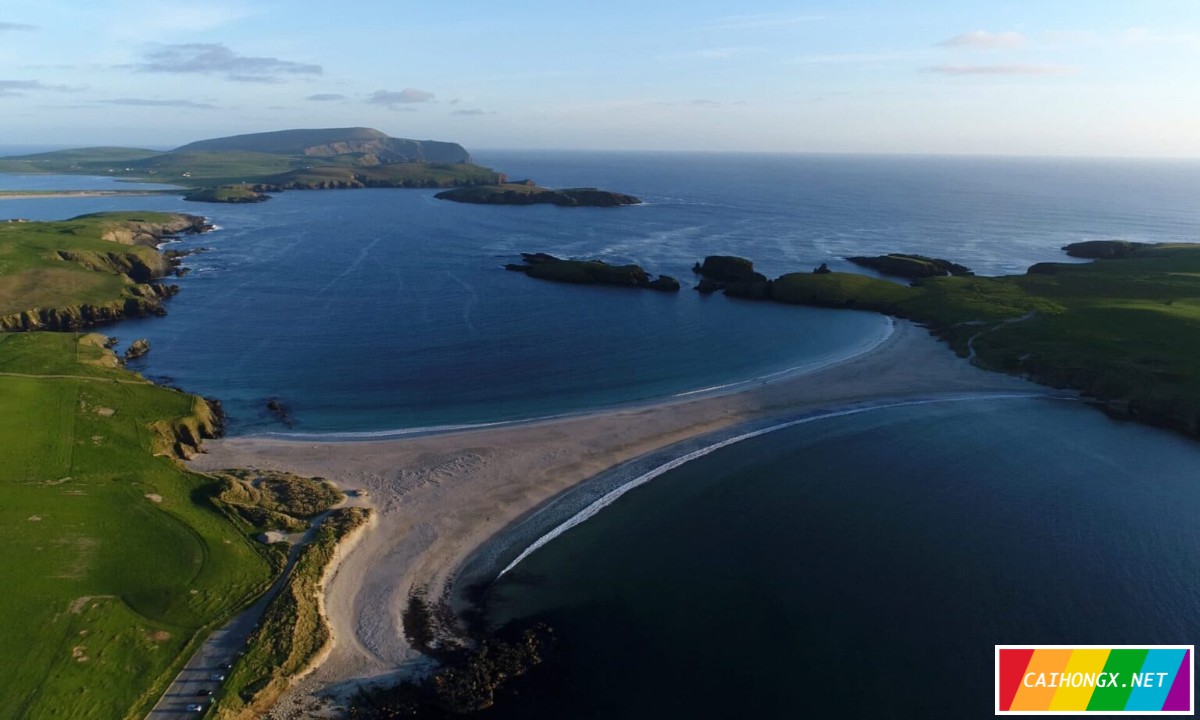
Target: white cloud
10, 88
395, 98
986, 40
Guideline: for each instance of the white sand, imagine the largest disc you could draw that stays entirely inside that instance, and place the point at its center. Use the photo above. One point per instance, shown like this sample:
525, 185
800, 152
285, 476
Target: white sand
439, 497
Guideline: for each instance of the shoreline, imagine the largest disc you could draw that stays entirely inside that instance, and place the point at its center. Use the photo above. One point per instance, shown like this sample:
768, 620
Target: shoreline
442, 499
730, 388
669, 458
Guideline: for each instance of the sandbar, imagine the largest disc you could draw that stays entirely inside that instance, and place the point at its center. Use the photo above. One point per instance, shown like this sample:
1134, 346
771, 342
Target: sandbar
439, 497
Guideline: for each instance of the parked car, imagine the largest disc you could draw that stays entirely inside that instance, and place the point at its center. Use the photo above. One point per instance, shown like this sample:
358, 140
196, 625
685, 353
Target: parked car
216, 677
195, 708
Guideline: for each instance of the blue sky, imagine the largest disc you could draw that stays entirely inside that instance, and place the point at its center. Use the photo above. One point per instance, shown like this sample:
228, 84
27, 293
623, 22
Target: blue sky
1056, 77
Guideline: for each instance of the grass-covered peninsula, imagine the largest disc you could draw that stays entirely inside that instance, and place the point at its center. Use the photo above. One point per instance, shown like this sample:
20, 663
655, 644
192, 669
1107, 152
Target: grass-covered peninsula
86, 271
1124, 329
120, 560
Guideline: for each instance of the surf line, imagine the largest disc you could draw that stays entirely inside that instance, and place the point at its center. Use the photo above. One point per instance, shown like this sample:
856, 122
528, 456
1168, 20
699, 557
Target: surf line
612, 496
807, 368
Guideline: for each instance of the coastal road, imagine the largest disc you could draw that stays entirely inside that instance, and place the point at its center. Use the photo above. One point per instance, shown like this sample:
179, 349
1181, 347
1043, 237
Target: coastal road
222, 646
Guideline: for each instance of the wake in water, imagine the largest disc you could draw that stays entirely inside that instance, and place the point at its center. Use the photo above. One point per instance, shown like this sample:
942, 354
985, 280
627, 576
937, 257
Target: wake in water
612, 496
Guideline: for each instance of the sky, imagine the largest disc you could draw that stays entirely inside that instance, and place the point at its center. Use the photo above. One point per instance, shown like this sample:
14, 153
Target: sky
1053, 77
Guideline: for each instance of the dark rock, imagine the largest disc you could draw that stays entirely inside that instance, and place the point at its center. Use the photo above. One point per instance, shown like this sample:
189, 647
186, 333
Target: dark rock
589, 272
280, 411
665, 283
729, 268
823, 269
512, 194
137, 349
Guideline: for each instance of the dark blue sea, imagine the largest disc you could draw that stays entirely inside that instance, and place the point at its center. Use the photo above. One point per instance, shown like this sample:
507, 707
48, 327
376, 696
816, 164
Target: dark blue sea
819, 570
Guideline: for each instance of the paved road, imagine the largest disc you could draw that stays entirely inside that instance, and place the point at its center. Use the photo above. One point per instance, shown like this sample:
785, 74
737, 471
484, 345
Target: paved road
221, 648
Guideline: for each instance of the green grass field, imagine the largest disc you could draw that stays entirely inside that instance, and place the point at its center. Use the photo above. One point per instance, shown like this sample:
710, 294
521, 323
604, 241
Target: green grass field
116, 558
1126, 330
68, 264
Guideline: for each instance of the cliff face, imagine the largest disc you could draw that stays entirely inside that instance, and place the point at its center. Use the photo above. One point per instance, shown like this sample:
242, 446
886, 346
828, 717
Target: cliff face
139, 268
394, 150
183, 437
142, 300
150, 234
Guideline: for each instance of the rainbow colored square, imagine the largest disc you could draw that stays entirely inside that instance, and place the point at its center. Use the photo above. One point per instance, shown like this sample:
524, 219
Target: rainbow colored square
1103, 679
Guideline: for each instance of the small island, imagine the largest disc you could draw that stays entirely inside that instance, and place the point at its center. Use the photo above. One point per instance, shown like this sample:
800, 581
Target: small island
235, 194
911, 267
590, 272
527, 193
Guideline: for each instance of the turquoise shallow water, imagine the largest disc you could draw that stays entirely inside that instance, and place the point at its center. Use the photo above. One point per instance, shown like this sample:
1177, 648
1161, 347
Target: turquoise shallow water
864, 566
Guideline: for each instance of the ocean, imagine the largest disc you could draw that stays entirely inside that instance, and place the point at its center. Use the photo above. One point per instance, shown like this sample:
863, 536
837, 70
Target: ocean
830, 568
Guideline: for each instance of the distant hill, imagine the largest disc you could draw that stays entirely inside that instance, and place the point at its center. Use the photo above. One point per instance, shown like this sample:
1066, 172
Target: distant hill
371, 146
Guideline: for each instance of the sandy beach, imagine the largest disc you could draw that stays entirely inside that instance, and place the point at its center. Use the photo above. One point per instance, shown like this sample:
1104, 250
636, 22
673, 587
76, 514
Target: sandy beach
43, 195
439, 497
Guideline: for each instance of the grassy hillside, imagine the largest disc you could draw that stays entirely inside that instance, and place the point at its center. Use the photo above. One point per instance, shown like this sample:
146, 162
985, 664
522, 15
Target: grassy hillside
1126, 329
115, 558
66, 275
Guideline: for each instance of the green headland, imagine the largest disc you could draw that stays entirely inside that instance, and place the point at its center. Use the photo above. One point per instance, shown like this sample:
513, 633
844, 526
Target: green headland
1124, 329
246, 168
120, 561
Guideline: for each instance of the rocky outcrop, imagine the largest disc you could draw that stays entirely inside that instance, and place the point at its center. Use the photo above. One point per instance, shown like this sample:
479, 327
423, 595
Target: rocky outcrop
151, 233
1103, 249
138, 348
913, 267
523, 194
735, 275
139, 267
590, 272
182, 438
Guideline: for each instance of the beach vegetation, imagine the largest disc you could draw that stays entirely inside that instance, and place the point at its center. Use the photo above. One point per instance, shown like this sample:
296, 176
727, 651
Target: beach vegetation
293, 630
